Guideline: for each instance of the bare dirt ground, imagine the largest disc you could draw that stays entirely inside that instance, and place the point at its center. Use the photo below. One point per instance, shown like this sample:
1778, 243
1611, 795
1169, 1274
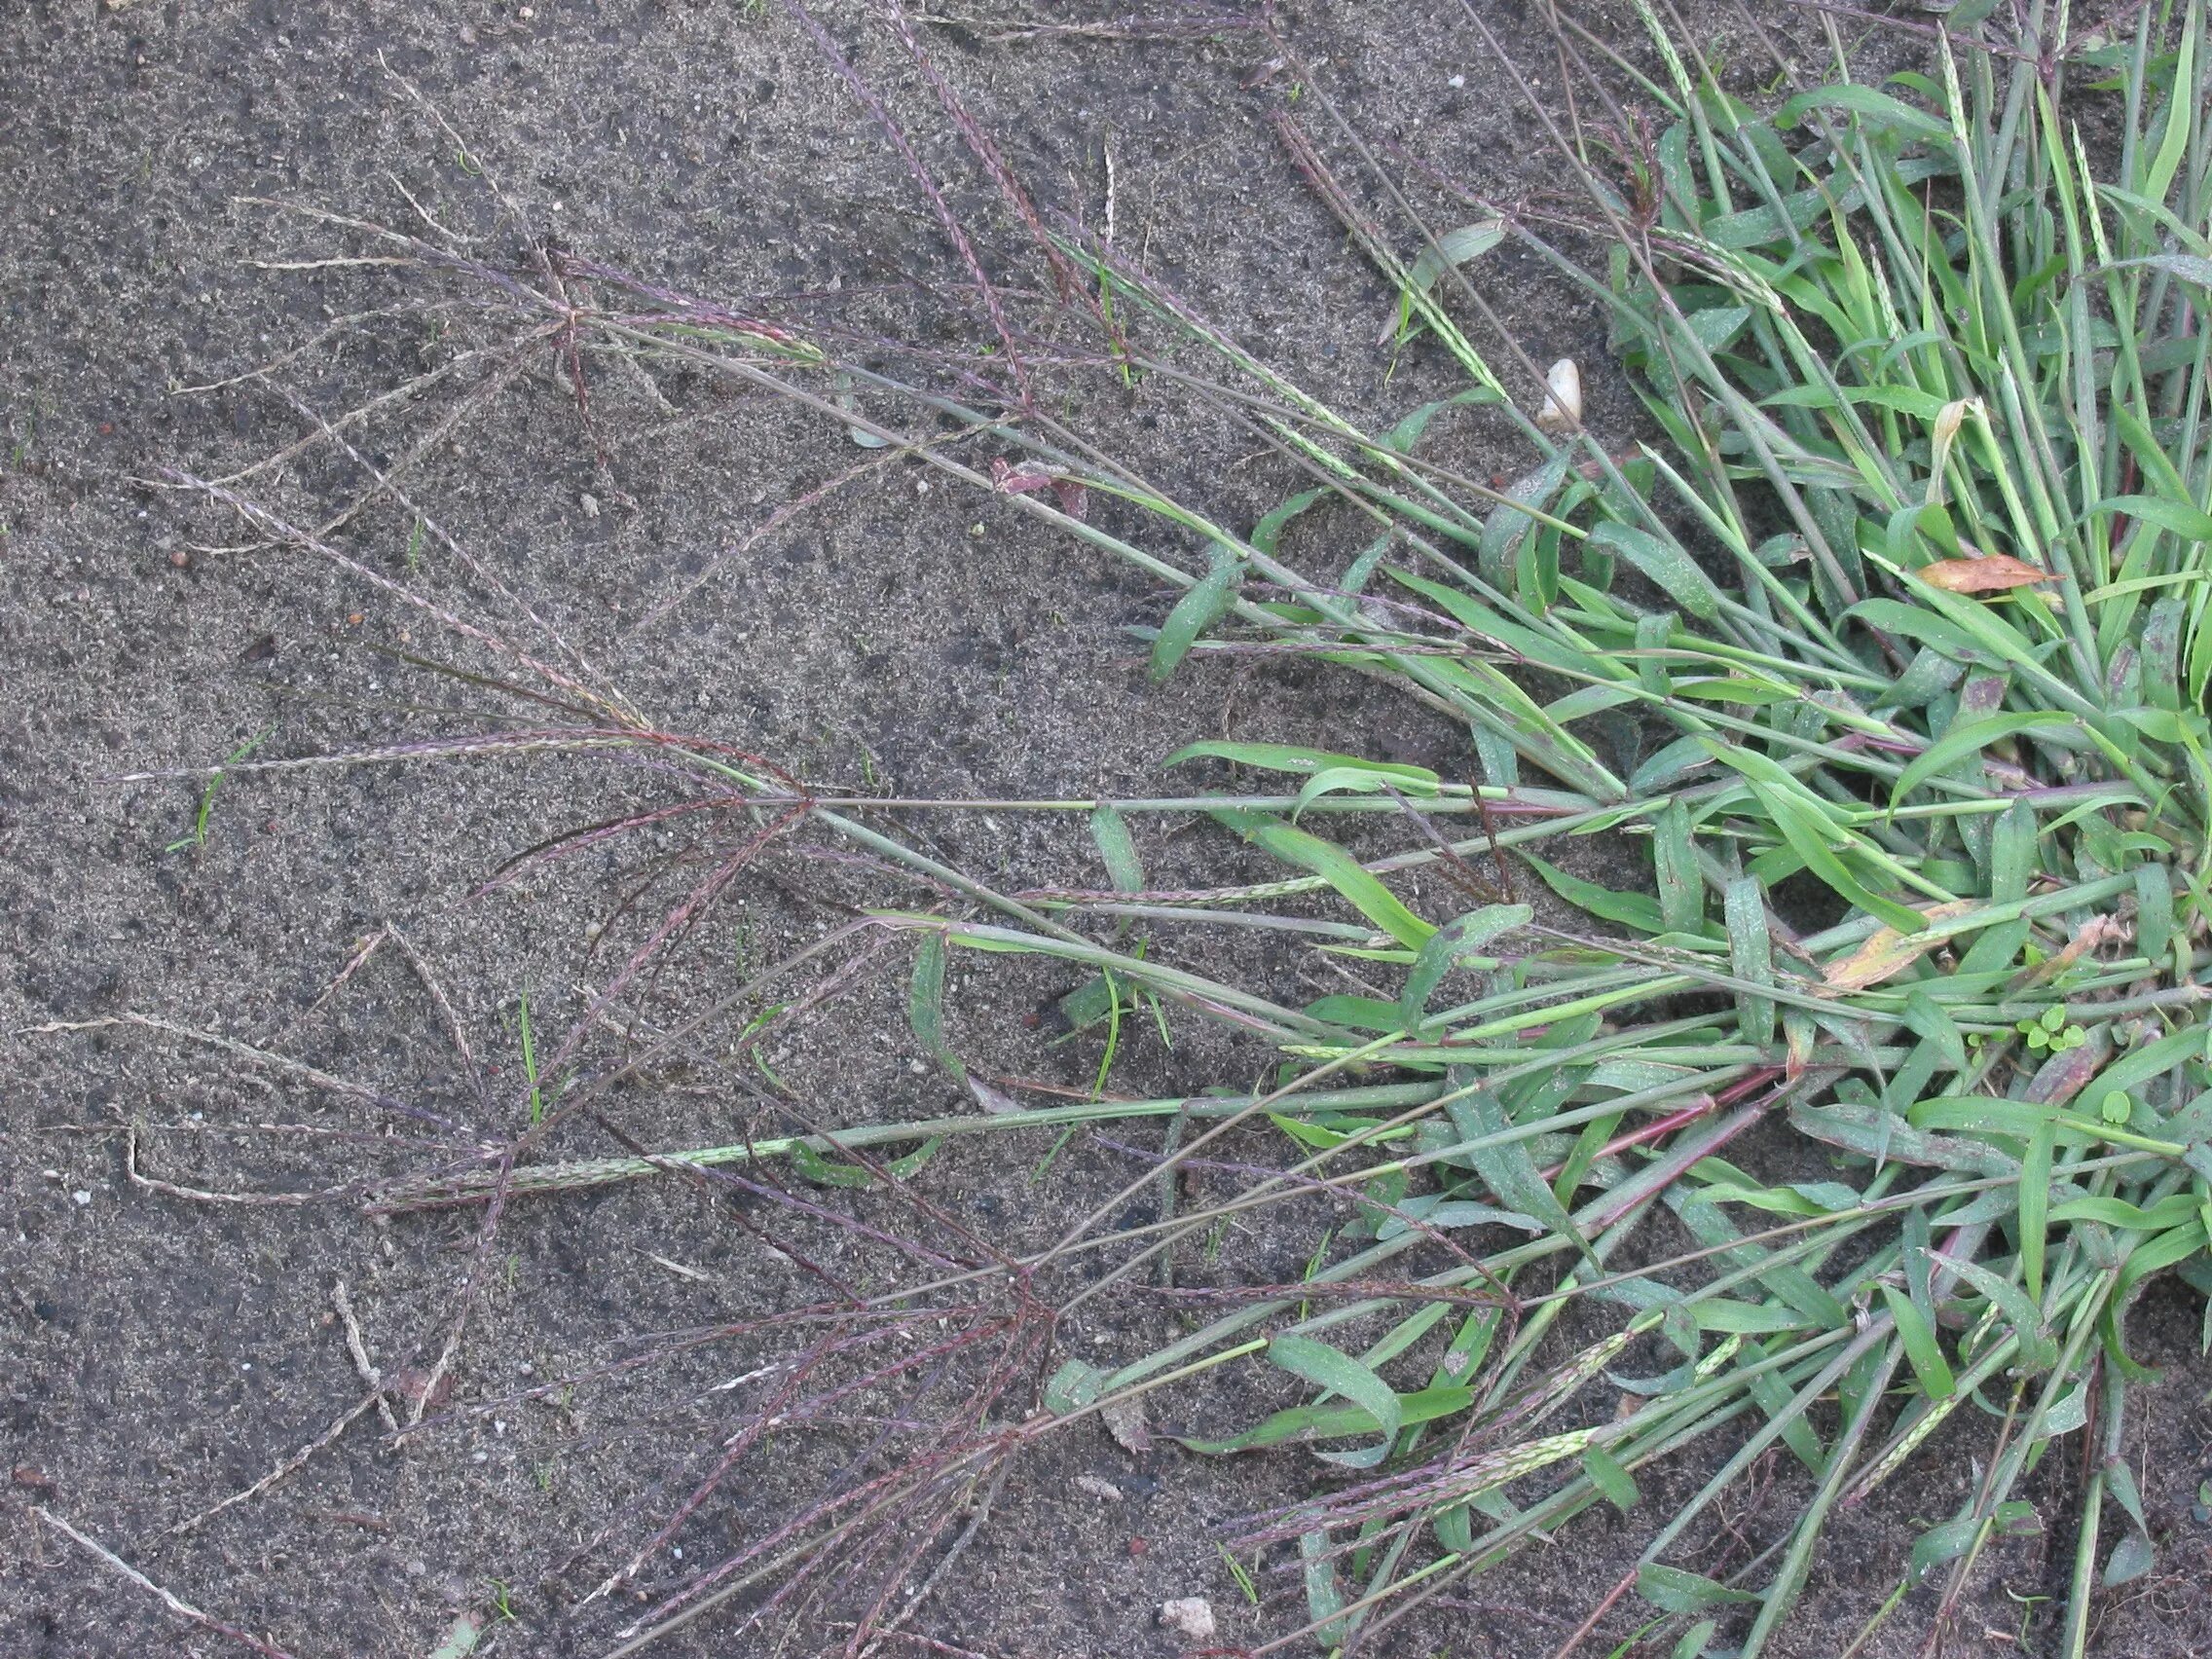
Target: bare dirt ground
156, 1353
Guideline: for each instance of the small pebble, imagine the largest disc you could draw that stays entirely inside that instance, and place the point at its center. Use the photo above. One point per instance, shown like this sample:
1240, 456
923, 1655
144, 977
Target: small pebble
180, 558
81, 1196
1190, 1617
1457, 81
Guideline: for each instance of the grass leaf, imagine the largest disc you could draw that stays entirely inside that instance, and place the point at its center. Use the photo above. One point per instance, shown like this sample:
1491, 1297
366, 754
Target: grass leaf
1340, 1374
1203, 604
1451, 944
1337, 867
925, 1004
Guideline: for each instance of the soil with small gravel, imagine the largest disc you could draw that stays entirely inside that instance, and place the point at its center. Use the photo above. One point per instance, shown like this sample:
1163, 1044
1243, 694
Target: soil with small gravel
160, 1352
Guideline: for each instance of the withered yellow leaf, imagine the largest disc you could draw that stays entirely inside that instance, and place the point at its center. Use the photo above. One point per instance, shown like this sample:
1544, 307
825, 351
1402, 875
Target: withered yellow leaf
1887, 954
1993, 572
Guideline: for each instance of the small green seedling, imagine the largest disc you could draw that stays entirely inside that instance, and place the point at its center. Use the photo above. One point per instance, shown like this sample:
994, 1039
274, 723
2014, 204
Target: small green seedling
2051, 1033
530, 1064
1238, 1571
1052, 1156
747, 1039
199, 835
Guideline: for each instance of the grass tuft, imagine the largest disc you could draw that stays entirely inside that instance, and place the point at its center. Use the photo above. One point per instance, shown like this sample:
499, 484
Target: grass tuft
1885, 645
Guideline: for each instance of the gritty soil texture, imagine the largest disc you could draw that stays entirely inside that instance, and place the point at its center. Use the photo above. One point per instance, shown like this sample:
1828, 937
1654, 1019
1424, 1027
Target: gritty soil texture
158, 1354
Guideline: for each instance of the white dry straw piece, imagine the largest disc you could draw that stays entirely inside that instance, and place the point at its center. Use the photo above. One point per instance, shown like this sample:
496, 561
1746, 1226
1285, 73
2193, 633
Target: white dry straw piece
182, 1609
1562, 401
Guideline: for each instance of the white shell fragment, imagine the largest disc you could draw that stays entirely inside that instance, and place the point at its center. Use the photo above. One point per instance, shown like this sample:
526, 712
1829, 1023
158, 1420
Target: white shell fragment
1563, 404
1190, 1617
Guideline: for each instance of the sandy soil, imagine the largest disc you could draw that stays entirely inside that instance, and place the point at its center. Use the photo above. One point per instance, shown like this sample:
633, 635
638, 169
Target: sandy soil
158, 1353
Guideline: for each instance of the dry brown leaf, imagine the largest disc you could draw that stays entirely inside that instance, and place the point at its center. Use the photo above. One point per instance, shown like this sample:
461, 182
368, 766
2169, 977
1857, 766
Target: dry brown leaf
1993, 572
415, 1385
991, 1100
1887, 954
2096, 932
1126, 1423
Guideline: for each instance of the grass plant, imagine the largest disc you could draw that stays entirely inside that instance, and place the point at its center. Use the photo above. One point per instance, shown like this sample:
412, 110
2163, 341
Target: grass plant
1887, 644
